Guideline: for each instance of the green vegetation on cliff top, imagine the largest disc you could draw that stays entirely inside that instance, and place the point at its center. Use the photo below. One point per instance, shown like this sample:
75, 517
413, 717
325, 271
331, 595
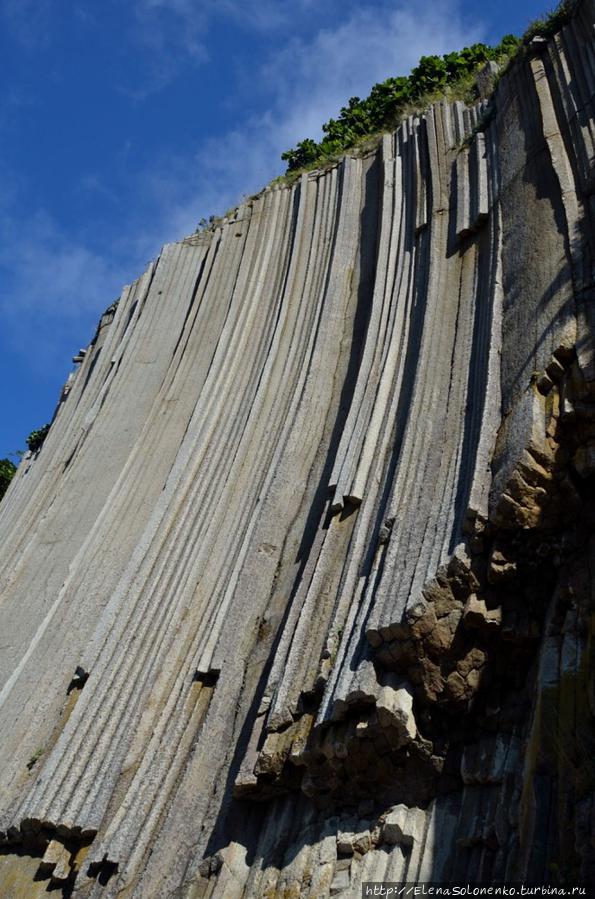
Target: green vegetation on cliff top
7, 472
36, 438
360, 124
390, 100
451, 76
8, 468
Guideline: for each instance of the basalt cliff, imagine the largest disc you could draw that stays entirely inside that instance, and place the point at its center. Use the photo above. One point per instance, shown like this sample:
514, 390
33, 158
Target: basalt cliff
299, 591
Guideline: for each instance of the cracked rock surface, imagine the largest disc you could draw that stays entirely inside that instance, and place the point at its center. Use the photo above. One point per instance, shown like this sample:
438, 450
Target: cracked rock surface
299, 590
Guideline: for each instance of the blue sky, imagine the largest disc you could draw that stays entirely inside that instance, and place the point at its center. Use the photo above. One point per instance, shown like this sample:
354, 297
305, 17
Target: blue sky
124, 122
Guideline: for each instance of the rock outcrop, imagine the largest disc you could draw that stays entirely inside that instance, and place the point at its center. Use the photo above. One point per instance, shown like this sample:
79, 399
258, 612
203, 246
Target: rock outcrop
299, 590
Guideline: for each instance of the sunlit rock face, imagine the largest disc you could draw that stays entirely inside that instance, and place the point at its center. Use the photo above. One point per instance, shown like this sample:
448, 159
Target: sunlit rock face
298, 591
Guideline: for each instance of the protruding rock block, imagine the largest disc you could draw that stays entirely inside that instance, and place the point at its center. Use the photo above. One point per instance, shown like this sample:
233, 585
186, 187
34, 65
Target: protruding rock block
394, 708
404, 826
56, 862
476, 614
486, 77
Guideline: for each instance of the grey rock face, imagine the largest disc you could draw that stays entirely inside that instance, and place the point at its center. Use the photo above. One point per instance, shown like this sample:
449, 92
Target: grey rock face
298, 591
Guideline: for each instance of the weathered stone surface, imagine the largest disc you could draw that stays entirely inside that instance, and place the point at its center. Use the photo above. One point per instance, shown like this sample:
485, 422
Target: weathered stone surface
486, 77
395, 709
298, 590
56, 861
404, 825
476, 614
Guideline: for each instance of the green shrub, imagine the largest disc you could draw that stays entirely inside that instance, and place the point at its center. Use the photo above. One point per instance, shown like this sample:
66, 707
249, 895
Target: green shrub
551, 22
7, 472
36, 438
393, 98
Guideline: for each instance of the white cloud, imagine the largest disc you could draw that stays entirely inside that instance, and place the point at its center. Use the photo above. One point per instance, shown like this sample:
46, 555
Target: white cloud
171, 26
315, 79
52, 287
301, 86
270, 15
57, 282
176, 32
93, 183
28, 21
254, 15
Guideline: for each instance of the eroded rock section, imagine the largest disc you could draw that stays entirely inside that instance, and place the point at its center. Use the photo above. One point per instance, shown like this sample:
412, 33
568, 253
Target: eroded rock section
299, 590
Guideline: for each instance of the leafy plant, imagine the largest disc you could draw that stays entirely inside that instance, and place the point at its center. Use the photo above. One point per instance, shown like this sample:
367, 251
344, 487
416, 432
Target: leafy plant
393, 98
36, 438
551, 22
7, 472
111, 309
35, 757
206, 224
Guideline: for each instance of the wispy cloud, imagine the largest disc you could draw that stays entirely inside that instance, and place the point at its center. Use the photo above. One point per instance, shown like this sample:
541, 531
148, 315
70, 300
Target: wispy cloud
173, 32
302, 60
52, 286
176, 32
301, 85
93, 183
270, 15
314, 78
57, 281
28, 21
253, 15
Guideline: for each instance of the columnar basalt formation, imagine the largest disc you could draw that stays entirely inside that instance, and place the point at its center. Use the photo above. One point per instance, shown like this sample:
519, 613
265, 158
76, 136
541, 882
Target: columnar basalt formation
298, 591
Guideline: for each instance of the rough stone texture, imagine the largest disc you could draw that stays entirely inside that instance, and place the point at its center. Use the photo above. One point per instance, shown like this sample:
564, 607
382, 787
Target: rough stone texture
298, 591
